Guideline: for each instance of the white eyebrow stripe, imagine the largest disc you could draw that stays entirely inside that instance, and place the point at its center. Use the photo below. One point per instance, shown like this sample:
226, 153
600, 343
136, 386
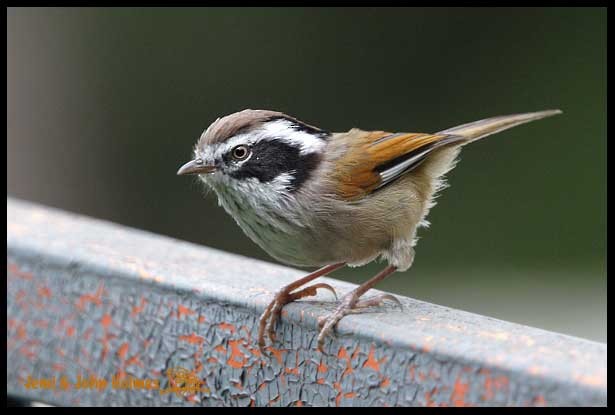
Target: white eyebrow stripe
283, 130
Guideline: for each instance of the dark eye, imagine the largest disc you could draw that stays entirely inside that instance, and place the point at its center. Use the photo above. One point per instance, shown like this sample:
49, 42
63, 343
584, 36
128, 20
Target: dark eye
240, 152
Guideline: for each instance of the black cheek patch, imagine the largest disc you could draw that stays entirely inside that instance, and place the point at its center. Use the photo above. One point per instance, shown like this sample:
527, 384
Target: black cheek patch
271, 158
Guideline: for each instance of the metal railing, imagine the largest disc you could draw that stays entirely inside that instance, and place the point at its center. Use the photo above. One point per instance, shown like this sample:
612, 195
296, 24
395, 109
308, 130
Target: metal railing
100, 314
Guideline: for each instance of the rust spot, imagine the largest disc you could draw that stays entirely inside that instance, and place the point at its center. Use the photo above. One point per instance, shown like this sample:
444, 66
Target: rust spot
184, 311
95, 298
320, 381
122, 351
202, 319
44, 292
227, 326
385, 382
338, 398
58, 367
459, 393
292, 371
212, 360
237, 358
21, 332
539, 401
350, 395
343, 354
193, 339
428, 400
220, 349
262, 386
322, 368
106, 321
371, 361
492, 384
138, 309
277, 353
70, 331
15, 270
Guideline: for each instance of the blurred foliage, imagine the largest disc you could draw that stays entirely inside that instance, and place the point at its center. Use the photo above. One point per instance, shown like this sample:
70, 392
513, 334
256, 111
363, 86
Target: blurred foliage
105, 104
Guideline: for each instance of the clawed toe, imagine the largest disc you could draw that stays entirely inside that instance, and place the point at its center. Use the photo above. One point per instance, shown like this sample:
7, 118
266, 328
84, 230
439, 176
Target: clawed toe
349, 305
274, 309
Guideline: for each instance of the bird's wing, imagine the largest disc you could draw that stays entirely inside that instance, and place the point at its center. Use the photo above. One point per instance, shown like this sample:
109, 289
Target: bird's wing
374, 159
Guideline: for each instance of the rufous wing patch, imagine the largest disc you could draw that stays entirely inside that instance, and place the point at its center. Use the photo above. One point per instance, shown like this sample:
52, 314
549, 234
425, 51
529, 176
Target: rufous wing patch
357, 173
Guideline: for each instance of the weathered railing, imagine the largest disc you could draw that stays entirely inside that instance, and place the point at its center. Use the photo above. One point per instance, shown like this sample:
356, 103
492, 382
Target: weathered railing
148, 320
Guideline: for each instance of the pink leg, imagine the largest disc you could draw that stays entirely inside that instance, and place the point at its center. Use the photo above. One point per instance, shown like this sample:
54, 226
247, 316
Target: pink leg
285, 296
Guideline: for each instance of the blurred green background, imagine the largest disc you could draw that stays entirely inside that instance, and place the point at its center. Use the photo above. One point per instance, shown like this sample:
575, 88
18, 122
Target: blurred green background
105, 104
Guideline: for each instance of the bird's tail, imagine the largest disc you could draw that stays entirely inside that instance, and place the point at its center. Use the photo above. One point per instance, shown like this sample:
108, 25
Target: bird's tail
480, 129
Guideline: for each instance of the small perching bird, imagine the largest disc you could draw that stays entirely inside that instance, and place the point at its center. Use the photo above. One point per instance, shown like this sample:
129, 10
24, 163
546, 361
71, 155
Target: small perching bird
313, 198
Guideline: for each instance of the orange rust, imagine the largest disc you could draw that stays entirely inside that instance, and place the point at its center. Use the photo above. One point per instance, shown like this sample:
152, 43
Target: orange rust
70, 331
293, 371
343, 354
44, 292
122, 351
255, 351
227, 326
320, 381
428, 395
134, 361
283, 380
220, 349
491, 383
412, 369
212, 360
21, 332
385, 382
237, 358
277, 353
350, 395
95, 298
58, 367
15, 270
106, 321
193, 338
202, 319
138, 309
181, 310
371, 361
338, 398
262, 386
459, 393
322, 367
539, 401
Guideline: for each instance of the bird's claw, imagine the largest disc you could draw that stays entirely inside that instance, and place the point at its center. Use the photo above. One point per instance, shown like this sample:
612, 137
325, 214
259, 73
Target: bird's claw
274, 309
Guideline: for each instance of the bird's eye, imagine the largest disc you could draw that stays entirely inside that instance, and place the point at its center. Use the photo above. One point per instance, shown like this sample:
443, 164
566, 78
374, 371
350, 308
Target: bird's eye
240, 152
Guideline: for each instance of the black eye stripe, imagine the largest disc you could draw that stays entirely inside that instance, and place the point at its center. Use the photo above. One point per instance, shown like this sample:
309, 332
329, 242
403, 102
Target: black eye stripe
270, 158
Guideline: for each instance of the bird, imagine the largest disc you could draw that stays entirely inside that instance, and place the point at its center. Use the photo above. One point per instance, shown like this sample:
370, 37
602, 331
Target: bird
313, 198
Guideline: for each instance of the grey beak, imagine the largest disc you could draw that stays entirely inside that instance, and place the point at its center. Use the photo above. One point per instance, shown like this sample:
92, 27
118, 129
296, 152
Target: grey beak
196, 166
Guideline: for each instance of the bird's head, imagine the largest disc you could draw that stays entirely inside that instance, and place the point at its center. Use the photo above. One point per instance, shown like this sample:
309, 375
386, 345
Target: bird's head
257, 148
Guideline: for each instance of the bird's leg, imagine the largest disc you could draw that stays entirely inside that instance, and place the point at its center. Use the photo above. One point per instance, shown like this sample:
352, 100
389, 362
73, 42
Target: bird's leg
285, 296
351, 304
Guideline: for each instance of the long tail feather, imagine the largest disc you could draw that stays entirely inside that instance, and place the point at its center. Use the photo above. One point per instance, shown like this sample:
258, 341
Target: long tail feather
480, 129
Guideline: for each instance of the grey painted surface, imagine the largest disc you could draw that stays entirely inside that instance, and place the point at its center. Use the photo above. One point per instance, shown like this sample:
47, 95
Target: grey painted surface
91, 298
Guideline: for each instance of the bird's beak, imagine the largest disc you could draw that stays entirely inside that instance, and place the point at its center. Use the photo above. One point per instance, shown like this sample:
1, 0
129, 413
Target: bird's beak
196, 166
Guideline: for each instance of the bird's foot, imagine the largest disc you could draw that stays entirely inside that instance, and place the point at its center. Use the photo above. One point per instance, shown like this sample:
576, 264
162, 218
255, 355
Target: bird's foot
350, 304
274, 309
